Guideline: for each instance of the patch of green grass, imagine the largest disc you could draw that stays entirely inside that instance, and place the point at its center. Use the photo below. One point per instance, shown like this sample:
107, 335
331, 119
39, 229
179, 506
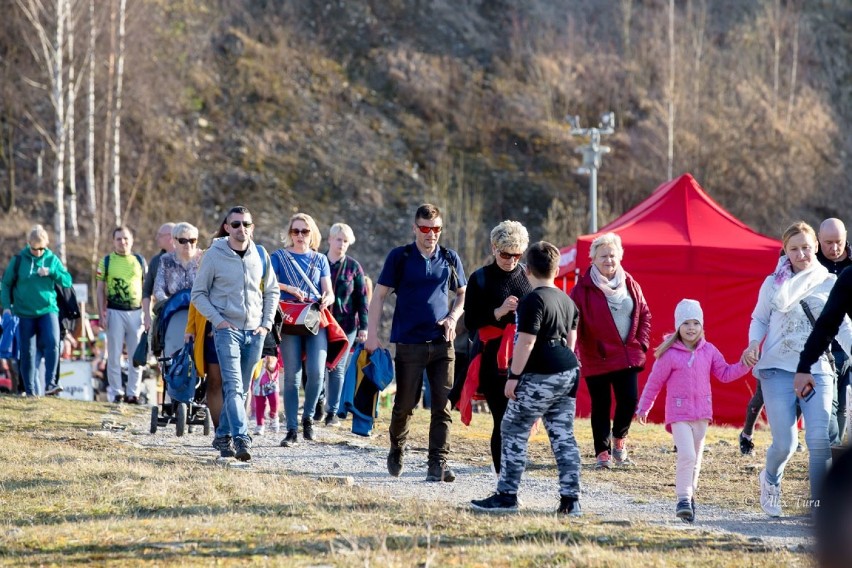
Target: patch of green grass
69, 495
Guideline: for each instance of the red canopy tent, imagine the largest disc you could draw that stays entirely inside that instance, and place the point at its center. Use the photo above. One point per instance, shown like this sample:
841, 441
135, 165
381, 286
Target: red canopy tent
567, 268
679, 243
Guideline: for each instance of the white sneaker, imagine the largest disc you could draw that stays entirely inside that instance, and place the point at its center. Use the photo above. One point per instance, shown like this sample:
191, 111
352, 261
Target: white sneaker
275, 426
259, 430
770, 496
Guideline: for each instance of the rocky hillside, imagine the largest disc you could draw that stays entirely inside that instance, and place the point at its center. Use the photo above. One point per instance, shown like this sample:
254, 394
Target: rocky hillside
359, 110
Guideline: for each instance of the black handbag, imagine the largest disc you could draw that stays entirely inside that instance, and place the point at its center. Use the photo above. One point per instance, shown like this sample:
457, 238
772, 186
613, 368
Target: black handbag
140, 355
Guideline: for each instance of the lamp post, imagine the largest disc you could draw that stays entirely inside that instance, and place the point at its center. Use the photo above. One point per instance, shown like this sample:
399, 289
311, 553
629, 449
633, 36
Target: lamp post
592, 154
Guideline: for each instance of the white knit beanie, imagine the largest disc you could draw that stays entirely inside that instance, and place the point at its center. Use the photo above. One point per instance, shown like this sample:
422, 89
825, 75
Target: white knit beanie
688, 310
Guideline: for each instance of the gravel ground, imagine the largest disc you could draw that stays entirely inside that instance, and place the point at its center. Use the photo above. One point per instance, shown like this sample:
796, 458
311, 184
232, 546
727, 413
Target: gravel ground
338, 453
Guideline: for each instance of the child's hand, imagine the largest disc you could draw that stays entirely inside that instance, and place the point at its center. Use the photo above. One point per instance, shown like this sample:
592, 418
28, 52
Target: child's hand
642, 417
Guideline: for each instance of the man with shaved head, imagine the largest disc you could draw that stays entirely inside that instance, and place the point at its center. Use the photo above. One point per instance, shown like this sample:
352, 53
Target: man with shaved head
835, 254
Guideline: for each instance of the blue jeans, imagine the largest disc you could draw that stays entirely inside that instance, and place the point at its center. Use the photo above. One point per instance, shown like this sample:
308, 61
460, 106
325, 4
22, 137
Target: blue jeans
238, 351
335, 378
39, 335
780, 400
315, 348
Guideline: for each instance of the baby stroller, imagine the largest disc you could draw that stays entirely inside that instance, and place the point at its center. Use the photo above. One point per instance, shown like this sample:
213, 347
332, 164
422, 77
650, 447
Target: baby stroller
186, 393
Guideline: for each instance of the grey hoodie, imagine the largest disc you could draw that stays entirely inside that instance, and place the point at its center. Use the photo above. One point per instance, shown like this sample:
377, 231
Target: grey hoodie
228, 288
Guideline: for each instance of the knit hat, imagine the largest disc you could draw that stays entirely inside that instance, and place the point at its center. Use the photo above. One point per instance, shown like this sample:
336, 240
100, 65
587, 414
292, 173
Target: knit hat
688, 310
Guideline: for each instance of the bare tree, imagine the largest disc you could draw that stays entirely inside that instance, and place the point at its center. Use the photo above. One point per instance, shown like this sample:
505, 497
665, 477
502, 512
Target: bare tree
49, 55
90, 138
72, 99
793, 68
108, 105
116, 144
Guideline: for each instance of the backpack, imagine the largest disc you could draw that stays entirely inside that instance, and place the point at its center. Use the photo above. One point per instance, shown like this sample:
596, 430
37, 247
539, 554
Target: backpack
66, 301
278, 319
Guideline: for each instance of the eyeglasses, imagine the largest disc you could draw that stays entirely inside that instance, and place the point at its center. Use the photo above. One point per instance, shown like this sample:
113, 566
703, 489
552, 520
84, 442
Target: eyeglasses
424, 229
303, 232
510, 255
184, 241
37, 249
236, 224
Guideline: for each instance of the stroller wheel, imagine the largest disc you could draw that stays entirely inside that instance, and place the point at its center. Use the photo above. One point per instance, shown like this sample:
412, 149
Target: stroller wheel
208, 422
154, 417
180, 419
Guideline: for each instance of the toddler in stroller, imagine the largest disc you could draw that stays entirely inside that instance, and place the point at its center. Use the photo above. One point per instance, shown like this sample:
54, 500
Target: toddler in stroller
186, 392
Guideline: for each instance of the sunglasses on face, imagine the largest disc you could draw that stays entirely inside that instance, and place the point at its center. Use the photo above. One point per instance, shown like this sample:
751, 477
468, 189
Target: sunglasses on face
303, 232
509, 255
236, 224
190, 241
37, 249
423, 229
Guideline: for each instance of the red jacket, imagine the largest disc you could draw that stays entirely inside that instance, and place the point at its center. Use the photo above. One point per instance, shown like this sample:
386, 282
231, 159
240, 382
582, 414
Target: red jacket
599, 346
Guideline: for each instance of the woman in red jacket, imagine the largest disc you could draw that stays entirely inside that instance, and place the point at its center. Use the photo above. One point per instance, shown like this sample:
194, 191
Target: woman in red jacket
612, 338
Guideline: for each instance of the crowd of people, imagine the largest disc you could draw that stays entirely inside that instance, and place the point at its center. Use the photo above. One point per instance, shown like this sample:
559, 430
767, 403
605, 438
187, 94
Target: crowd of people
530, 342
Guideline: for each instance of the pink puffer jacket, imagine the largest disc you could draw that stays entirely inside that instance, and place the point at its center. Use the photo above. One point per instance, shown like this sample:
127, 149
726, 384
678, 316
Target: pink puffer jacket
686, 375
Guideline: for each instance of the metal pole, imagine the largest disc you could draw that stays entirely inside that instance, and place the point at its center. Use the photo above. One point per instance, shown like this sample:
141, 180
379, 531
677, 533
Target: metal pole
593, 199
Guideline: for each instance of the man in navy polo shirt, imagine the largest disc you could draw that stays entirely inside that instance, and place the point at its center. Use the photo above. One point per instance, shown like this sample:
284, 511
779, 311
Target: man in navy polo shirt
422, 274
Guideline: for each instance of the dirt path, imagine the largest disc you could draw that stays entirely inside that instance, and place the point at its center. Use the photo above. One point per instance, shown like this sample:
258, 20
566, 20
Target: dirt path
350, 458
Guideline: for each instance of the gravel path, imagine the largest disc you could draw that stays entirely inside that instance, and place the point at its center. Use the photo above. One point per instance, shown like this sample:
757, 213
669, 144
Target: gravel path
338, 453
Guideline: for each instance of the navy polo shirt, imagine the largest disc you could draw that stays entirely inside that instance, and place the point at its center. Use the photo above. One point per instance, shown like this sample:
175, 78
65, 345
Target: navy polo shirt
422, 288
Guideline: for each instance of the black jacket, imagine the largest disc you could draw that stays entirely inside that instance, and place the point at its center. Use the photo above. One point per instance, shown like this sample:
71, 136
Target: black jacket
839, 304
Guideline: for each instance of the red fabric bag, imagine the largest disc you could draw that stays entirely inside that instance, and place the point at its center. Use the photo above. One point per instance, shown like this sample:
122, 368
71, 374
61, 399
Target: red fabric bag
300, 318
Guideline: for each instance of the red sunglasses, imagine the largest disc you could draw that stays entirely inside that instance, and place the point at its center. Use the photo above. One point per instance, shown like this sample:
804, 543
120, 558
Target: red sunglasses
509, 255
423, 229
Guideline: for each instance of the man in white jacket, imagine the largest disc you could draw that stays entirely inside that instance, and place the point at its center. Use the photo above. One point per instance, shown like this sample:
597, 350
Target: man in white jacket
237, 293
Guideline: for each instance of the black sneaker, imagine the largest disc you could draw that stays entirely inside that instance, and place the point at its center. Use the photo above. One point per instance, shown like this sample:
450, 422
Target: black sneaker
331, 419
497, 503
395, 461
225, 446
131, 400
308, 429
684, 511
746, 445
242, 445
440, 471
569, 506
53, 391
318, 412
291, 439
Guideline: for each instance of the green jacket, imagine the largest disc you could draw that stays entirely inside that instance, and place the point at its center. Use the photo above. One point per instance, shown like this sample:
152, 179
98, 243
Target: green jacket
34, 295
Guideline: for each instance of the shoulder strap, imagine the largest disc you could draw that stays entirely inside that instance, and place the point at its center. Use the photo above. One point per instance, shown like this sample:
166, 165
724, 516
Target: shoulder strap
828, 355
262, 252
480, 278
454, 276
140, 260
106, 268
301, 272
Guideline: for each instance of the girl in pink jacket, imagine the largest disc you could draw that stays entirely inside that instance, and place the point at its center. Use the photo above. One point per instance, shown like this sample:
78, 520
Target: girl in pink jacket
684, 363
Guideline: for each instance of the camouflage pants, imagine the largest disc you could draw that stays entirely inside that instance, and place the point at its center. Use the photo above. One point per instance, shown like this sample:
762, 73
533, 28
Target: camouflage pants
545, 396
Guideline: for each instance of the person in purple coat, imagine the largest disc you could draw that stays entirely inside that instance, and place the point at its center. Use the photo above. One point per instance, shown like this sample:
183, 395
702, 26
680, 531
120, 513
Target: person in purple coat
685, 362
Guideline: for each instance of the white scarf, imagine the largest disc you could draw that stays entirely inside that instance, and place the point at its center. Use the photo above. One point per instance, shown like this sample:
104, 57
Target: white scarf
615, 289
787, 293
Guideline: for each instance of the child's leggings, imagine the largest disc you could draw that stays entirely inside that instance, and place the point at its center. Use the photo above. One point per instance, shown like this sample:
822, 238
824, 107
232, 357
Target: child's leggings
260, 407
689, 439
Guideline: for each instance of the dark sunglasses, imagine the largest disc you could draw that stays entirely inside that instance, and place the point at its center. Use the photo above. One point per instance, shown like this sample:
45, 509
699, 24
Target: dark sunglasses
184, 241
423, 229
510, 255
36, 249
236, 224
303, 232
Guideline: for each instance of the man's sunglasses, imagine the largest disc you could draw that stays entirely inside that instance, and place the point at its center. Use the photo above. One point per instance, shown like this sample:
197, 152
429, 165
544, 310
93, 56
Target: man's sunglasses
303, 232
184, 241
423, 229
510, 255
236, 224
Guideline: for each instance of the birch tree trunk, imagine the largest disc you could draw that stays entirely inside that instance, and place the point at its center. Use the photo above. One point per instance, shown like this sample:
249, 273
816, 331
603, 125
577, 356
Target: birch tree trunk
107, 159
116, 144
793, 68
72, 100
92, 203
59, 131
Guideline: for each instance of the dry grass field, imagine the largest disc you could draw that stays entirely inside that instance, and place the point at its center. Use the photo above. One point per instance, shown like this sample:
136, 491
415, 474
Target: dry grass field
72, 493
